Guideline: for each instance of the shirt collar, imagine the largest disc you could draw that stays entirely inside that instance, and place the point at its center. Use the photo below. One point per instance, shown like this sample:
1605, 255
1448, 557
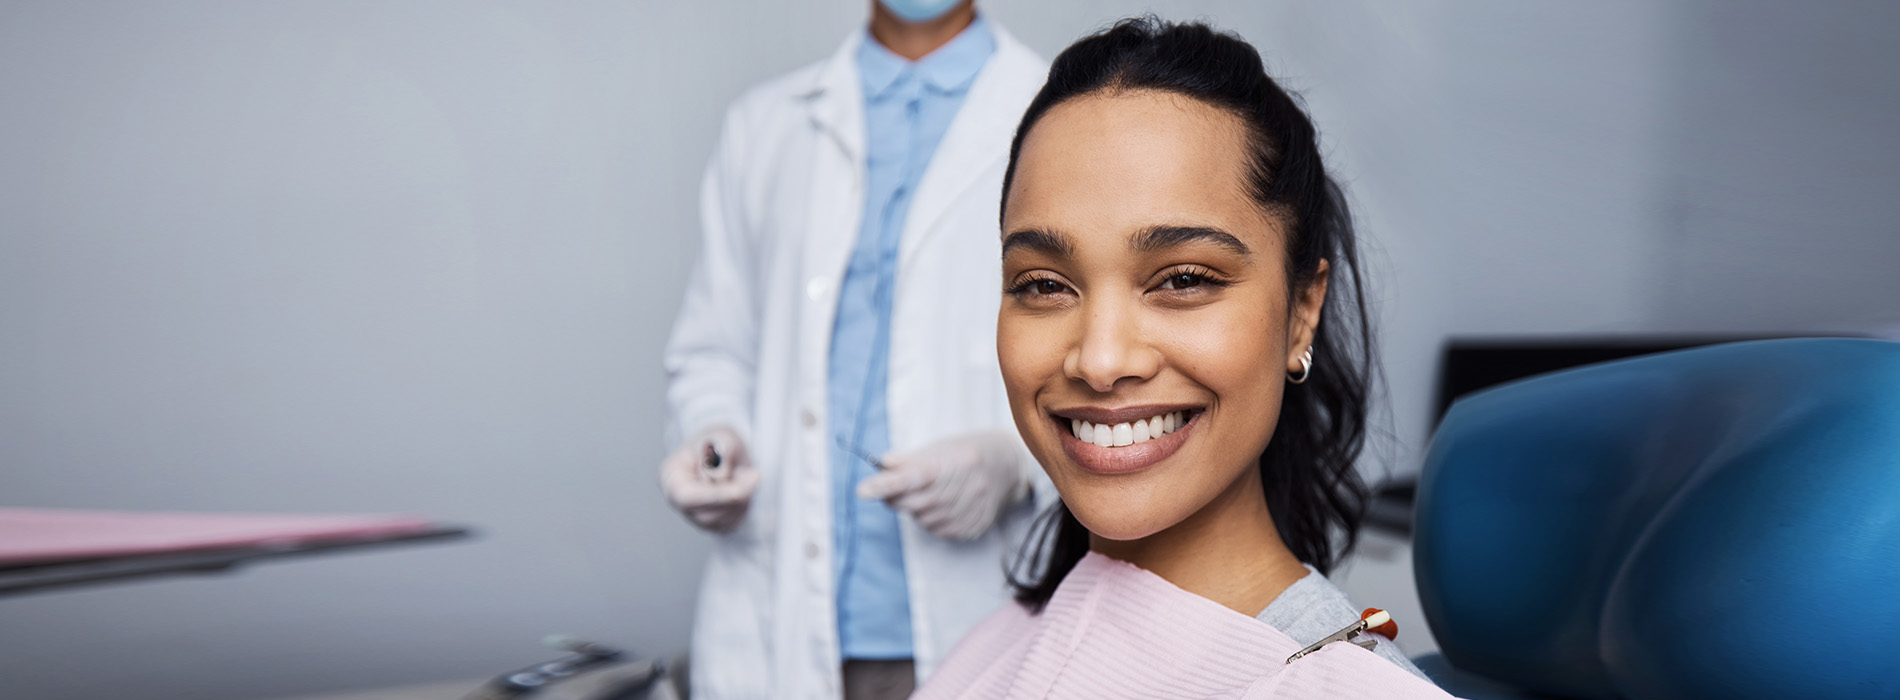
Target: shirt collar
950, 68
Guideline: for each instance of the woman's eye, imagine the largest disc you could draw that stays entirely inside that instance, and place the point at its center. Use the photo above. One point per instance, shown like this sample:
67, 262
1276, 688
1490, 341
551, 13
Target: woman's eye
1041, 287
1183, 280
1190, 283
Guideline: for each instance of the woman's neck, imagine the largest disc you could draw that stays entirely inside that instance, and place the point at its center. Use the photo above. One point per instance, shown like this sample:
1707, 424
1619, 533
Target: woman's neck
1228, 552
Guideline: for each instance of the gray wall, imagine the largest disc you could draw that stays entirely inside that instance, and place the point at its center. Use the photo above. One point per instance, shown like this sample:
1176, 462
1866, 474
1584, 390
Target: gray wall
421, 256
1680, 167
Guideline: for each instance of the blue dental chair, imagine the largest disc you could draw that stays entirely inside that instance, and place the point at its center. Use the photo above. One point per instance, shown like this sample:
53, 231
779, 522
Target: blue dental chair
1722, 522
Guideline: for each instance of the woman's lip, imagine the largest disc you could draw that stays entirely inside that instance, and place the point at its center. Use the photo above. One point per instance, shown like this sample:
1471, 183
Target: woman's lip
1125, 459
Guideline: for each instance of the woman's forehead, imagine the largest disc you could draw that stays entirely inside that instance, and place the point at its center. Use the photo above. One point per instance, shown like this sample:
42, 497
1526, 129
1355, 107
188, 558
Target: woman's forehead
1127, 163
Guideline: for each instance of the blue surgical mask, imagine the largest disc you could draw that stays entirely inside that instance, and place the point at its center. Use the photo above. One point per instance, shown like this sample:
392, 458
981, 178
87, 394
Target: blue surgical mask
918, 10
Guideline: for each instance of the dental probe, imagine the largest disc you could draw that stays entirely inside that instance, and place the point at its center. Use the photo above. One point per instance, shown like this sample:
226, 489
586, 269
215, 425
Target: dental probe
855, 452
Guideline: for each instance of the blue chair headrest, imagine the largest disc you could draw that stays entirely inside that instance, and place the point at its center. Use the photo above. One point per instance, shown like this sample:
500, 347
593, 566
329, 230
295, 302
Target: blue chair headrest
1721, 522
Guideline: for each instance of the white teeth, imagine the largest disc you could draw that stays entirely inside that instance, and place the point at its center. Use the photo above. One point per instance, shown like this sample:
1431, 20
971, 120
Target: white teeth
1132, 432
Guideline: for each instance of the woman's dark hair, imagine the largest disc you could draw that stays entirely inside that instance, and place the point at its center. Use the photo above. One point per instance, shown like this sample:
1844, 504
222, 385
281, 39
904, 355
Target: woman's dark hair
1313, 490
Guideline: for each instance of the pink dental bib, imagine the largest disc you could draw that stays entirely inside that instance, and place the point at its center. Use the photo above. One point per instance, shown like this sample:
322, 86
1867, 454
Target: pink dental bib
1113, 630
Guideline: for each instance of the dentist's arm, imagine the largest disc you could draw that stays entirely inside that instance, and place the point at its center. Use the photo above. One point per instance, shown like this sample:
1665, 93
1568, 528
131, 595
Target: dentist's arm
711, 358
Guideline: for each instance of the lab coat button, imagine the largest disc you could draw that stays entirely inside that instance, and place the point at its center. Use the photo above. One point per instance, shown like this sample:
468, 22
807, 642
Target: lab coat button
811, 550
818, 287
807, 418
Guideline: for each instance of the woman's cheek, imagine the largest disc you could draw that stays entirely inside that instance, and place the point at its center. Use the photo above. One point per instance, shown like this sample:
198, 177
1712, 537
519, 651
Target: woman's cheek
1029, 359
1013, 354
1202, 342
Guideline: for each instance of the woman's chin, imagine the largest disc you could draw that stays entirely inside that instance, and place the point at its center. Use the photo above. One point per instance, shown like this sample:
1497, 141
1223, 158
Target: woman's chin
1119, 524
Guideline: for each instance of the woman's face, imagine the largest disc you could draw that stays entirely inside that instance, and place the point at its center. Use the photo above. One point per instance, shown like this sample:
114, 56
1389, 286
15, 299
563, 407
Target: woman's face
1146, 332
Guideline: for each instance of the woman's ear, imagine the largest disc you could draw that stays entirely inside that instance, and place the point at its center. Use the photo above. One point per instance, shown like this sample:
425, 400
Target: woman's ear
1303, 321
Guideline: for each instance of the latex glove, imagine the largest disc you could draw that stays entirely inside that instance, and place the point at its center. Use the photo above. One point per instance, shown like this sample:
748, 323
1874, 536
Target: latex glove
956, 487
714, 498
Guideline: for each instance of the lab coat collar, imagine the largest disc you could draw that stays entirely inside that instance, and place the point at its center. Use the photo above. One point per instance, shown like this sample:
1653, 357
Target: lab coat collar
979, 137
976, 139
836, 100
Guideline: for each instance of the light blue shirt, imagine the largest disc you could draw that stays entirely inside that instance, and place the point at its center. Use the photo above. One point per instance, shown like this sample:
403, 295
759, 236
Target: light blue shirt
907, 108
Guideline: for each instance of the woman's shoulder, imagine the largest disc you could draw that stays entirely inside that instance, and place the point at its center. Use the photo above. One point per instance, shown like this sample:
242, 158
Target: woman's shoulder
1313, 607
983, 658
1005, 624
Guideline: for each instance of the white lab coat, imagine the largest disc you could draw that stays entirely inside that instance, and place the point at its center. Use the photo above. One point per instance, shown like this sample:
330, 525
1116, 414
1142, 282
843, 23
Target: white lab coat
781, 206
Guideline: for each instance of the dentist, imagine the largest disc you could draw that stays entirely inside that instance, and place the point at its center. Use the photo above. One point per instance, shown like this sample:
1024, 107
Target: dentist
833, 369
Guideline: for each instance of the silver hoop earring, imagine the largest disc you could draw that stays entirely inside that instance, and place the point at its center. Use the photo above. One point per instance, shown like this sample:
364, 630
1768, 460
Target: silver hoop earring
1306, 367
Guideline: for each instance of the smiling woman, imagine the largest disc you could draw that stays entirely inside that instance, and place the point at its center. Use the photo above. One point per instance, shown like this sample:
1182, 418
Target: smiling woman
1170, 228
1182, 337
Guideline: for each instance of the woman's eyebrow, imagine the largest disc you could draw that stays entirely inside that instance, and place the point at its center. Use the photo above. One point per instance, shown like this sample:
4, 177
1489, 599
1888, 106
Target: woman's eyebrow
1163, 237
1039, 240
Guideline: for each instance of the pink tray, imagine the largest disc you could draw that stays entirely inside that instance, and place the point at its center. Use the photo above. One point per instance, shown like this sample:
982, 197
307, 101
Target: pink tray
44, 535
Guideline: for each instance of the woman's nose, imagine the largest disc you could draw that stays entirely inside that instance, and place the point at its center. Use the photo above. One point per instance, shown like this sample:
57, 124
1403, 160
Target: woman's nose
1111, 348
